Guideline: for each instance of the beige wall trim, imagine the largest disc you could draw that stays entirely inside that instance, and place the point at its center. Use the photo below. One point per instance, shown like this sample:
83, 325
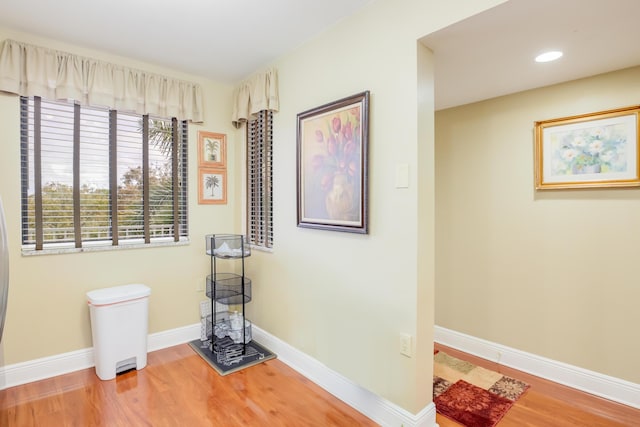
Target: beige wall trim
611, 388
373, 406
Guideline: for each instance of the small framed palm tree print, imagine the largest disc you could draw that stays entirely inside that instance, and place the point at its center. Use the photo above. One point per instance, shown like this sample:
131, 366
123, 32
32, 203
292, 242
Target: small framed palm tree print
212, 150
212, 186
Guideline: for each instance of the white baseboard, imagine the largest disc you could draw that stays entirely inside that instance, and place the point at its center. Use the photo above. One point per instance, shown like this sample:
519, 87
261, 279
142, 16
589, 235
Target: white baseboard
173, 337
605, 386
47, 367
373, 406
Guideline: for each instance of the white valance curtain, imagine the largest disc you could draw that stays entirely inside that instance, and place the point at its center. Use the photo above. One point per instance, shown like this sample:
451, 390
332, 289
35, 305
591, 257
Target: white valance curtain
29, 70
256, 94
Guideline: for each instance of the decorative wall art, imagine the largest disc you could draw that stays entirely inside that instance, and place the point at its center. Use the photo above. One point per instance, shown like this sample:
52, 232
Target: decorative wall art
212, 149
590, 150
332, 170
212, 186
212, 168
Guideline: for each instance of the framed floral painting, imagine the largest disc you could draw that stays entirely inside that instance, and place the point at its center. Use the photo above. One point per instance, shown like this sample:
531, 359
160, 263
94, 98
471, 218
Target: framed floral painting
591, 150
212, 186
212, 149
332, 144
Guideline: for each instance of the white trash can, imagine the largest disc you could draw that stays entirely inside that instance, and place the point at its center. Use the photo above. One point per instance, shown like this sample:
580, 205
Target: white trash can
119, 324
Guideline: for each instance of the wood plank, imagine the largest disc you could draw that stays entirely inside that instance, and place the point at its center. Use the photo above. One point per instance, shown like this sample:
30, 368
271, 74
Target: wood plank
177, 388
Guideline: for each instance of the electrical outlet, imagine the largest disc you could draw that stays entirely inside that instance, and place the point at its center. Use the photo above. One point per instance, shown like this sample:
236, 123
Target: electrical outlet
405, 345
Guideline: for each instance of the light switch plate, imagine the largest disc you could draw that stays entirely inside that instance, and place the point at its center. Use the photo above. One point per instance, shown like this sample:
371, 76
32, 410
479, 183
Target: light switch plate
402, 175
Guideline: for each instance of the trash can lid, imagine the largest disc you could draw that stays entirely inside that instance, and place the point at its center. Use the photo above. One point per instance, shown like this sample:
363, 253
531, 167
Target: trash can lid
117, 294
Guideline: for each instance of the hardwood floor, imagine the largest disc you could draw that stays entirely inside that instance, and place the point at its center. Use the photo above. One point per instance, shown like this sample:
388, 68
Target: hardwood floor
178, 388
550, 404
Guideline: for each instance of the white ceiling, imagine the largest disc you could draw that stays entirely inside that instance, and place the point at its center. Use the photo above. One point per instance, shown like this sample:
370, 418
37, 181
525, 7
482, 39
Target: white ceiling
225, 40
491, 54
487, 55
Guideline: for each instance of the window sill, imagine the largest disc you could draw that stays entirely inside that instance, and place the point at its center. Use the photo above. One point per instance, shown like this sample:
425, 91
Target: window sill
100, 247
261, 249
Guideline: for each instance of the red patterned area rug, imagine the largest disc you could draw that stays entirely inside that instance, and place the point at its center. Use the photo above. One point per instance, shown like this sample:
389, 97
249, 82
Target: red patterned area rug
471, 395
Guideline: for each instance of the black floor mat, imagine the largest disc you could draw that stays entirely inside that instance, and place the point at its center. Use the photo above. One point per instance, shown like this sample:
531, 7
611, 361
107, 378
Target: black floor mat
231, 357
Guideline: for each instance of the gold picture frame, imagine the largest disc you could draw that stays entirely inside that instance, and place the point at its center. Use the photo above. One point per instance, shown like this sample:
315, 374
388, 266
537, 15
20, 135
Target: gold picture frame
212, 149
212, 186
588, 151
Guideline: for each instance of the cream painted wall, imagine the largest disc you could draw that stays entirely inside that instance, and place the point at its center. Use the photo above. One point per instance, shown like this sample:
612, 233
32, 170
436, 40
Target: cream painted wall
548, 272
47, 310
344, 298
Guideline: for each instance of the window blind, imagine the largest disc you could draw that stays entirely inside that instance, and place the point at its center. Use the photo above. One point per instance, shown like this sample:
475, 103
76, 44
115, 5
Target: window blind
100, 176
259, 179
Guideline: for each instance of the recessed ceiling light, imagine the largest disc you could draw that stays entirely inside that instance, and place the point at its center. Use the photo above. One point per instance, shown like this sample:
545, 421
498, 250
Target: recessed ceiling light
549, 56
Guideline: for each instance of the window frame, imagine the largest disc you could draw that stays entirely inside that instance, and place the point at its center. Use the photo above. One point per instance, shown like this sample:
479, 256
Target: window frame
31, 125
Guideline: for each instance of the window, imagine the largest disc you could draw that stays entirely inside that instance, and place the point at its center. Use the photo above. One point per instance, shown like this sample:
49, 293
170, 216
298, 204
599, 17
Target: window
259, 180
98, 177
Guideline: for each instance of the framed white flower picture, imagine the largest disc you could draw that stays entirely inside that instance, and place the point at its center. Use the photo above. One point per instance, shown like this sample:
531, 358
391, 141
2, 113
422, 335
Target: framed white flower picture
588, 151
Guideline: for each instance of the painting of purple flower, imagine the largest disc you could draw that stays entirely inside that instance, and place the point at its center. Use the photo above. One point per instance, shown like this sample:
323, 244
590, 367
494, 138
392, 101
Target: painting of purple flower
331, 158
